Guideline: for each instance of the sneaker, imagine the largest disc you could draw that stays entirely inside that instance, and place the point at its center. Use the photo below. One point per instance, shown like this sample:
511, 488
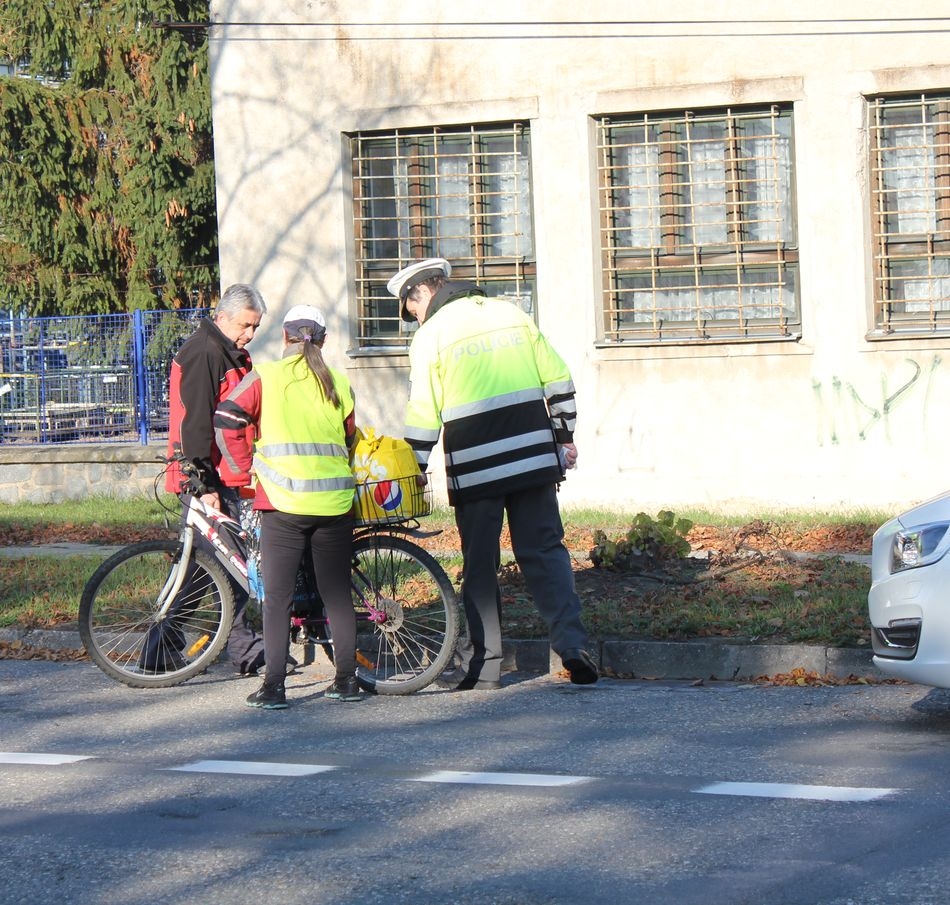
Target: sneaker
580, 665
268, 697
344, 688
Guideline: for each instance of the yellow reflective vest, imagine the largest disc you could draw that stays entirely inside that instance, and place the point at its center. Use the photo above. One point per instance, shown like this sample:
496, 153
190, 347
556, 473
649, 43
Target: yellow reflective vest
300, 458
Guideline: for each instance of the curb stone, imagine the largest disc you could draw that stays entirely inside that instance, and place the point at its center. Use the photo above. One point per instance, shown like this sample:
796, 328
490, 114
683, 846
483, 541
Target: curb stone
627, 659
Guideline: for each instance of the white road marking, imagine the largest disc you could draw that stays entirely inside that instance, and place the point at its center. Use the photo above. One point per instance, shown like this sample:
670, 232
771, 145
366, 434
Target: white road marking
52, 760
252, 768
791, 790
499, 779
466, 777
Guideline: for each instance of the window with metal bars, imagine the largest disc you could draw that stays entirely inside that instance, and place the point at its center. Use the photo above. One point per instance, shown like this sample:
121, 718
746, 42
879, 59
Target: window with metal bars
460, 193
697, 225
910, 193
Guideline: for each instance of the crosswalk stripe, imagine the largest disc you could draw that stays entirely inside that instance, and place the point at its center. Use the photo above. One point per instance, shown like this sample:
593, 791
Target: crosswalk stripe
792, 790
52, 760
499, 779
252, 768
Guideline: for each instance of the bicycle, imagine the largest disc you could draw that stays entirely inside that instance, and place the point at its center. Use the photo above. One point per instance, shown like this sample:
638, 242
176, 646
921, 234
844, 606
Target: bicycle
158, 612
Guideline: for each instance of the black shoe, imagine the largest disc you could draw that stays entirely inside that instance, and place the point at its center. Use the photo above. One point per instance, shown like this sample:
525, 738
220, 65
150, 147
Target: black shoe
268, 697
459, 680
580, 665
344, 688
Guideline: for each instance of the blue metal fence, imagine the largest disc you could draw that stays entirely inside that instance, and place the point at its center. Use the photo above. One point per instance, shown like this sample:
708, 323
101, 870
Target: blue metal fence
89, 379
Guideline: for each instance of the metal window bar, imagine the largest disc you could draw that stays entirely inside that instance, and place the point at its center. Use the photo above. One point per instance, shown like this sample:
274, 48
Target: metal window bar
462, 193
909, 141
89, 379
698, 239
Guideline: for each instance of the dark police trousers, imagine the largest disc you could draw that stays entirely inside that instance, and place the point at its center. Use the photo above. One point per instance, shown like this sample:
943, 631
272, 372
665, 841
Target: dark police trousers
537, 540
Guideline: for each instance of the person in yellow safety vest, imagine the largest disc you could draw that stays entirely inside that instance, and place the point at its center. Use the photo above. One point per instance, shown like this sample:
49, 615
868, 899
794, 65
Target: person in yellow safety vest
484, 377
304, 414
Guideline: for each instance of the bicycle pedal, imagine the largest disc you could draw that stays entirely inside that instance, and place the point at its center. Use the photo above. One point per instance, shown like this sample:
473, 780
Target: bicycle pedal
198, 645
364, 661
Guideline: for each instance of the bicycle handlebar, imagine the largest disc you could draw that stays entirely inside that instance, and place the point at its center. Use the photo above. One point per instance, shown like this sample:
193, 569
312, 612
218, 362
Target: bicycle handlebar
190, 471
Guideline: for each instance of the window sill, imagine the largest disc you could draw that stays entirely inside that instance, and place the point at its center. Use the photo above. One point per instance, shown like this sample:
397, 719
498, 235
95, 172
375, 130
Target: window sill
379, 357
720, 348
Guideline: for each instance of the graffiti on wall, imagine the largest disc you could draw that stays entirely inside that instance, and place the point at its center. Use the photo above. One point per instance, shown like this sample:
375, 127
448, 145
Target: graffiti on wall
847, 412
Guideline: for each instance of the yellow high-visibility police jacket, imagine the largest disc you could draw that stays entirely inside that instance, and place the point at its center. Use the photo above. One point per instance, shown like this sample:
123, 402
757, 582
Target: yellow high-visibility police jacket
483, 375
300, 457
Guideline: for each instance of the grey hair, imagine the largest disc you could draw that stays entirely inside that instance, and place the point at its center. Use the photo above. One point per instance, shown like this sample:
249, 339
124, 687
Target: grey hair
240, 297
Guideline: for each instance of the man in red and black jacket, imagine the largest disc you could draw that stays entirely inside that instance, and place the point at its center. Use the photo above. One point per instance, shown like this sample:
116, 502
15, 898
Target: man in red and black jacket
211, 363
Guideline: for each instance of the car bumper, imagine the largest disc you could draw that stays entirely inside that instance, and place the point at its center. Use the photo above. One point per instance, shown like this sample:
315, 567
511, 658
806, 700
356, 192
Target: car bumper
910, 616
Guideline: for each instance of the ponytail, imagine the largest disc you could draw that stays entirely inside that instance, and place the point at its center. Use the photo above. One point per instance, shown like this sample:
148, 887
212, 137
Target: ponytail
312, 353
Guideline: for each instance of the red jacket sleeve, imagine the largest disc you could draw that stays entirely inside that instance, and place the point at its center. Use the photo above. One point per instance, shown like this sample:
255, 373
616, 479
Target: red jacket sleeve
235, 426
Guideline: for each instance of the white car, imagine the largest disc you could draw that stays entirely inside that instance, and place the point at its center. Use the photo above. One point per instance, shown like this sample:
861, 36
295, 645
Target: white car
909, 600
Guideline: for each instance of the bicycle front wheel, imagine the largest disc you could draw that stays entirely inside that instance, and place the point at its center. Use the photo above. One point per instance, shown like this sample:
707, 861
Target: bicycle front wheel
407, 615
122, 625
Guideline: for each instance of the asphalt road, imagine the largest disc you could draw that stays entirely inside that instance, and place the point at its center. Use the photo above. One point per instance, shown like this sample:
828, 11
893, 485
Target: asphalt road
538, 794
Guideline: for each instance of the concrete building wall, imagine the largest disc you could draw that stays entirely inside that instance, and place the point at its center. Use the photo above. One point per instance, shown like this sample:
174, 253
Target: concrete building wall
832, 420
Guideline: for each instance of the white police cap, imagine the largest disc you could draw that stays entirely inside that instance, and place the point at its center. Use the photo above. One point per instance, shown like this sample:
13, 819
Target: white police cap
409, 277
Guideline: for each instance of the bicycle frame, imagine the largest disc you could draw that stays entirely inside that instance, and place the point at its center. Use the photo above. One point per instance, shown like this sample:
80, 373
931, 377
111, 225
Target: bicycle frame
219, 529
215, 527
206, 521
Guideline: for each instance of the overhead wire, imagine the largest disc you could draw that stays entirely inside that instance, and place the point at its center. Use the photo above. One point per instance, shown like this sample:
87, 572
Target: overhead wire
885, 25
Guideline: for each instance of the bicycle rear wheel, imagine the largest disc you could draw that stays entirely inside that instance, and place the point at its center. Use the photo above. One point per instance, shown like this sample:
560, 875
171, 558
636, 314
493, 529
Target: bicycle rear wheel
414, 639
121, 626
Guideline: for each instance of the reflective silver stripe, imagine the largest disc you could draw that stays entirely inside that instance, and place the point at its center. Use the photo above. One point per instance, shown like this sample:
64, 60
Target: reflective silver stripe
275, 450
495, 402
421, 435
560, 388
564, 407
499, 446
302, 485
500, 472
226, 456
564, 413
423, 459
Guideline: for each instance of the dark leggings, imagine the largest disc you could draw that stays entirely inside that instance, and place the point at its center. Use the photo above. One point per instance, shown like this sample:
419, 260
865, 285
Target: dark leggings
284, 537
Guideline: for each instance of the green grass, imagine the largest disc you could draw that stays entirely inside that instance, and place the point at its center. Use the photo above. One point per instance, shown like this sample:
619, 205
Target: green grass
42, 591
789, 518
92, 511
821, 601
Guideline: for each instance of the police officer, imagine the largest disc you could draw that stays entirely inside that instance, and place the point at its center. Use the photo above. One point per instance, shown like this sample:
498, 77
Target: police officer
484, 377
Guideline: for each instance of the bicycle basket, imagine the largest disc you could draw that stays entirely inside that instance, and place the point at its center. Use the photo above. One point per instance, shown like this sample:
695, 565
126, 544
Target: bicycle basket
397, 500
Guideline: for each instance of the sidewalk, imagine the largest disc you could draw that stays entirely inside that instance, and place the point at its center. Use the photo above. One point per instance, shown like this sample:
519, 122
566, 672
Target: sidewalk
697, 660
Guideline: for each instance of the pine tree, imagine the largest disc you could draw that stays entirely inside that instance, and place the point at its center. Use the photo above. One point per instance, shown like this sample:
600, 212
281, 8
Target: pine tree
107, 196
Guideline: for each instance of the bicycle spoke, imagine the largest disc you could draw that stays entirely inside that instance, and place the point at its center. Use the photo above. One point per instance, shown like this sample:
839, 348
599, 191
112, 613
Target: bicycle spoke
132, 637
402, 593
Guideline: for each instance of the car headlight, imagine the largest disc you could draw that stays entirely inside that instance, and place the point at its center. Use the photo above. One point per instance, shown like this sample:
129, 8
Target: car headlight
914, 547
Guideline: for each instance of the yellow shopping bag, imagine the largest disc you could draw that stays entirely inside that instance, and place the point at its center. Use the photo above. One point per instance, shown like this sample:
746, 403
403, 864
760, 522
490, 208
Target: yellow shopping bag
385, 469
